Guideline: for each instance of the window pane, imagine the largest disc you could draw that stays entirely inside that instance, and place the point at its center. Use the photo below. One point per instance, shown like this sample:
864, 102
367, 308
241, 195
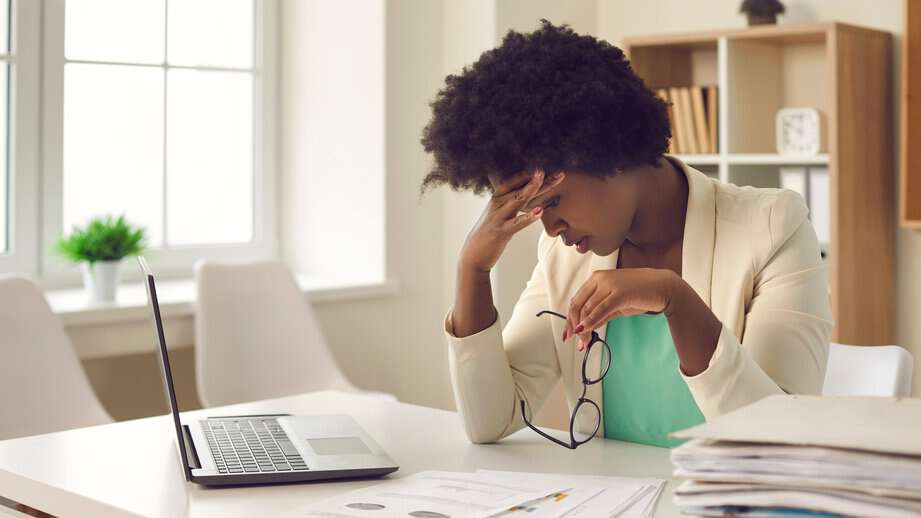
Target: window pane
4, 178
209, 157
216, 33
113, 145
128, 31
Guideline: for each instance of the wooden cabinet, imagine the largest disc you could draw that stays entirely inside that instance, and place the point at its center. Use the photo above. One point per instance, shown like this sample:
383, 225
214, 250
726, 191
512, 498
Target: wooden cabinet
844, 72
910, 206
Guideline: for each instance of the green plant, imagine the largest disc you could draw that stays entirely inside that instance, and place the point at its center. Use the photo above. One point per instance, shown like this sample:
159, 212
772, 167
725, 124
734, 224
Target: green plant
104, 239
762, 7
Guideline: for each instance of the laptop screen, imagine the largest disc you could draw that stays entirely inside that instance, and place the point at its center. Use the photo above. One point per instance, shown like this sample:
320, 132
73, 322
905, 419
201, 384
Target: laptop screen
164, 363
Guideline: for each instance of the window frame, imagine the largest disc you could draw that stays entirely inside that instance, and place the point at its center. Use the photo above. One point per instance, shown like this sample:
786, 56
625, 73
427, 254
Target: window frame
176, 261
24, 148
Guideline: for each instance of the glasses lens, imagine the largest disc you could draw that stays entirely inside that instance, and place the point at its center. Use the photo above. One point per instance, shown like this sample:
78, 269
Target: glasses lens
598, 362
588, 420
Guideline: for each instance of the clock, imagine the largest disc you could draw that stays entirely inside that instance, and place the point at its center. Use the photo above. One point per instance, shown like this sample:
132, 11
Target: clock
798, 131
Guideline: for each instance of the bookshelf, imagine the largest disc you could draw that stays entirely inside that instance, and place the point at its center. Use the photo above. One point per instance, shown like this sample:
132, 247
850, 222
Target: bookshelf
844, 72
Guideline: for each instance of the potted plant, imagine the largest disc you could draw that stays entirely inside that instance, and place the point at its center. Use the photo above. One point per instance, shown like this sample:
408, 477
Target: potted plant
99, 248
762, 12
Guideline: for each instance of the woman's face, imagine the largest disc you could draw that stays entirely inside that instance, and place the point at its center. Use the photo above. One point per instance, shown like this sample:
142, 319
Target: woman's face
589, 213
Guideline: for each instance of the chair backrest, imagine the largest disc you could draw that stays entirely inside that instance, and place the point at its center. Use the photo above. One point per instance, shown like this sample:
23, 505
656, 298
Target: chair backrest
43, 387
868, 371
256, 336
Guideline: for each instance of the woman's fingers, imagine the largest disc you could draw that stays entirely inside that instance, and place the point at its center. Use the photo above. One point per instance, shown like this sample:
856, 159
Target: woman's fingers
513, 200
575, 308
512, 196
600, 313
595, 306
522, 220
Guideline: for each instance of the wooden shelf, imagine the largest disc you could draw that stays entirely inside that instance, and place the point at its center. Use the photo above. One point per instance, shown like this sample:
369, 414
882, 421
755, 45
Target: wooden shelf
910, 184
826, 66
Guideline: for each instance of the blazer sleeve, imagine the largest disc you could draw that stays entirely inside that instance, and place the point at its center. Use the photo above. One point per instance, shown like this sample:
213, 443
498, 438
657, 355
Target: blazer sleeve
493, 369
784, 347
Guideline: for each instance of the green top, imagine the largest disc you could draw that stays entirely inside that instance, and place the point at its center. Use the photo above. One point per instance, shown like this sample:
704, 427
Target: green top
645, 397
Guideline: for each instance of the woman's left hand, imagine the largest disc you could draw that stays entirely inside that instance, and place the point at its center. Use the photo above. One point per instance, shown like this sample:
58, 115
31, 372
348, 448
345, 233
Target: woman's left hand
610, 294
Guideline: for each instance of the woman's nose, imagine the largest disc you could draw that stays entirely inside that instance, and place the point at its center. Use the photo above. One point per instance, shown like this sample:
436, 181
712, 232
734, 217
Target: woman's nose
554, 226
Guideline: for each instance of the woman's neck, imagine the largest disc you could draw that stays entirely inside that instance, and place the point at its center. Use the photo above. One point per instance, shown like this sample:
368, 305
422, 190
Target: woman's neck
658, 225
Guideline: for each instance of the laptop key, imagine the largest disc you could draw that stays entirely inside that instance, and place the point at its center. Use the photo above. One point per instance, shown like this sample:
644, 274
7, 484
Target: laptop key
288, 448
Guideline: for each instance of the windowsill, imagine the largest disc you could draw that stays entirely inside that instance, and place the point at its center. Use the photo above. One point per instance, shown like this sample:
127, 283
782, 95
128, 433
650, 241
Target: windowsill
177, 299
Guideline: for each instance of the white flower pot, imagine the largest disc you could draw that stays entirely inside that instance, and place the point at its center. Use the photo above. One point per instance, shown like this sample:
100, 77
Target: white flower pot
100, 280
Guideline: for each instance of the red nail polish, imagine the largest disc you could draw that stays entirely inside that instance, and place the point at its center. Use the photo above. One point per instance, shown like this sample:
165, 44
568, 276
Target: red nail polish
579, 329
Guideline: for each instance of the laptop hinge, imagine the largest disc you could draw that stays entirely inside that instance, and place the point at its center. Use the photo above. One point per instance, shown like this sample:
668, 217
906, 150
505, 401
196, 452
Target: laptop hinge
189, 446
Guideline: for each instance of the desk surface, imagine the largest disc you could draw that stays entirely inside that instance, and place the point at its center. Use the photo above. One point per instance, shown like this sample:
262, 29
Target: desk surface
97, 471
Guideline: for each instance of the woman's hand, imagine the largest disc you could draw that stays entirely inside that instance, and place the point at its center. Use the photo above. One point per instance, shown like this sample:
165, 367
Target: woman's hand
609, 294
503, 218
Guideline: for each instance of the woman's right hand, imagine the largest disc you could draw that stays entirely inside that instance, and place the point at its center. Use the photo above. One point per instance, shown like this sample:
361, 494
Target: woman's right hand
503, 218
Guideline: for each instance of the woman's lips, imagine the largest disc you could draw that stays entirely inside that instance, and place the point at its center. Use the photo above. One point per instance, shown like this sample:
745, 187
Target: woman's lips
581, 245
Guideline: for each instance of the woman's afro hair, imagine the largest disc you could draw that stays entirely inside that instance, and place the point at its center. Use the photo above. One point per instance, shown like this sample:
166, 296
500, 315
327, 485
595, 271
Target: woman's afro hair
550, 99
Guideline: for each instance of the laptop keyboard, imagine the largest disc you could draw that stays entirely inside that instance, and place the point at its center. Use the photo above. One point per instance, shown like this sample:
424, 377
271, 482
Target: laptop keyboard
251, 446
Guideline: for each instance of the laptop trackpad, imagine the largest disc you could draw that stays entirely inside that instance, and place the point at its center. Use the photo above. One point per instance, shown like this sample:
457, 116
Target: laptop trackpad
338, 446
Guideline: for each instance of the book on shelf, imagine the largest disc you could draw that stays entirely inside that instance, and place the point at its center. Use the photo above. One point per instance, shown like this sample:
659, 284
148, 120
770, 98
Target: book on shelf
680, 141
700, 120
712, 107
687, 120
693, 118
672, 143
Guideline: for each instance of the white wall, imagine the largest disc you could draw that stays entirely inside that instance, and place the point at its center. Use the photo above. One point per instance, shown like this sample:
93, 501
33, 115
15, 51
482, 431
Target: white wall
391, 343
332, 136
636, 17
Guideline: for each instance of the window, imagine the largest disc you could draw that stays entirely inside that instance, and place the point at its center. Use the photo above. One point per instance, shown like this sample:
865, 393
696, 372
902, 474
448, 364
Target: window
159, 110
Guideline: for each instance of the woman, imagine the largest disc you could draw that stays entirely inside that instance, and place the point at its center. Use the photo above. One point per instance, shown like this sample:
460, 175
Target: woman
710, 296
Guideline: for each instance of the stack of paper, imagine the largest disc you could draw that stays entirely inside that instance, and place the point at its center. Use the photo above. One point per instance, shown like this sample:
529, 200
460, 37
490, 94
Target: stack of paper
854, 456
484, 494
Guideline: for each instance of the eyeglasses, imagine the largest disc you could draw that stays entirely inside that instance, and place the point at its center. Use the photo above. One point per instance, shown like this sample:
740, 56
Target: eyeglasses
586, 410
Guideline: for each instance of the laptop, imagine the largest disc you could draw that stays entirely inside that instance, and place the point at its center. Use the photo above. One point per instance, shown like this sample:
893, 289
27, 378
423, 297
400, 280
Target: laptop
265, 449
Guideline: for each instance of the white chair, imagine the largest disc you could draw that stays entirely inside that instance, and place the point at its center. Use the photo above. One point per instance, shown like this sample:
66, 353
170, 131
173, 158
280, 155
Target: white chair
256, 336
868, 371
43, 387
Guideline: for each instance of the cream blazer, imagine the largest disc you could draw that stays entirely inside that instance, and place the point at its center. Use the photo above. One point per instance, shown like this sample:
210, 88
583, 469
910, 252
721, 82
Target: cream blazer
752, 256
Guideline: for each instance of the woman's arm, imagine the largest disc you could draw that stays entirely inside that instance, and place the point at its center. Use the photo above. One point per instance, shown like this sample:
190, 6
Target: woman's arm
784, 346
495, 368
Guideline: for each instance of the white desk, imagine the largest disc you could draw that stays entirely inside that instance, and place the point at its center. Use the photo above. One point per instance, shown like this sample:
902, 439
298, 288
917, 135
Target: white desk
132, 468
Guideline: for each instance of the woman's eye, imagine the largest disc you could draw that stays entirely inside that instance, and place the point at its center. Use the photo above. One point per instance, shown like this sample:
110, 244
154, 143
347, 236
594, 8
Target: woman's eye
552, 203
